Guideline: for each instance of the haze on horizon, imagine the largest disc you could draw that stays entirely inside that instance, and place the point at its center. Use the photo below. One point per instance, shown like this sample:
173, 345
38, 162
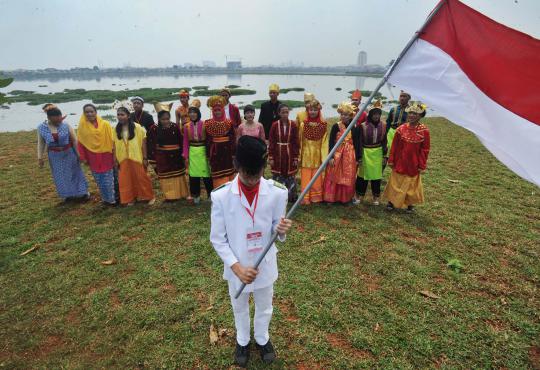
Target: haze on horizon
141, 33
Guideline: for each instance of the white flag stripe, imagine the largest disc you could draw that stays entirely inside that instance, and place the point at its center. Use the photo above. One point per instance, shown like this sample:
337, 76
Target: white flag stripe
431, 75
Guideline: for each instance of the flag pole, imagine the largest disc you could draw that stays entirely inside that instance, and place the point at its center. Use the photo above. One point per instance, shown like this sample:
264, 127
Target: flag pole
342, 138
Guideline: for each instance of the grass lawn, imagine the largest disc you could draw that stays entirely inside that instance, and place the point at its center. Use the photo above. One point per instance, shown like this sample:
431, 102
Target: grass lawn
348, 295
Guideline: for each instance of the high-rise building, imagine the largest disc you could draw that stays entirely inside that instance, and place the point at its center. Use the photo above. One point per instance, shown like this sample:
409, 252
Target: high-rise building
362, 59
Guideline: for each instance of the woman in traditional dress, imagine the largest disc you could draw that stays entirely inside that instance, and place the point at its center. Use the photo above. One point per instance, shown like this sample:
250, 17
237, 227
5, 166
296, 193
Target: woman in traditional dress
313, 150
341, 170
220, 142
194, 153
58, 139
284, 151
408, 160
95, 144
249, 126
371, 153
132, 160
164, 149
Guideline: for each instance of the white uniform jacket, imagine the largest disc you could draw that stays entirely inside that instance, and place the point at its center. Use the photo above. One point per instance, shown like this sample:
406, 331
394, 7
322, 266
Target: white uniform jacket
230, 223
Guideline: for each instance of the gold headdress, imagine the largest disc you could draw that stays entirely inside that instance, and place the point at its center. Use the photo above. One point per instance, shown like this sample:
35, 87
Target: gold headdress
416, 107
216, 100
163, 107
273, 87
314, 103
308, 97
227, 90
183, 92
377, 105
346, 107
123, 103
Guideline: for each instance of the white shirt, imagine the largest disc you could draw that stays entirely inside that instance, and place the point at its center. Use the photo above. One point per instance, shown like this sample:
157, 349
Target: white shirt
230, 224
227, 113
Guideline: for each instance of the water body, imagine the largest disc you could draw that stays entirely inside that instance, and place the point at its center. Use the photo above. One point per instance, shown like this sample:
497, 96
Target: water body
21, 116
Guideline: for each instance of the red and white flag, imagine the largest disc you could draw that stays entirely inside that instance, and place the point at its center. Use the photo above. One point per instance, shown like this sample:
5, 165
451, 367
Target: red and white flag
482, 76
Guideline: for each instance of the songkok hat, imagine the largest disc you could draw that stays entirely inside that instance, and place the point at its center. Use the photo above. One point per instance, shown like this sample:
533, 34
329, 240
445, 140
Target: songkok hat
273, 87
251, 153
216, 101
405, 93
163, 107
183, 92
308, 97
416, 107
195, 103
346, 107
356, 95
137, 98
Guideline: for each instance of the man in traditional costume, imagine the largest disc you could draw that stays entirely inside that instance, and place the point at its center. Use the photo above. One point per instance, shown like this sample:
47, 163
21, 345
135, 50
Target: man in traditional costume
356, 99
181, 112
408, 159
269, 109
220, 142
397, 116
284, 151
139, 115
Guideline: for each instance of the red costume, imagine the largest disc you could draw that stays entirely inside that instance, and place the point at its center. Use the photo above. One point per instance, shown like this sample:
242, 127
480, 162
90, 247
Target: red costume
410, 149
284, 148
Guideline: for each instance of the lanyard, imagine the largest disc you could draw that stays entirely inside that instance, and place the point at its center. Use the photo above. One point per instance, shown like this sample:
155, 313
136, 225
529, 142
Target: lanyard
251, 214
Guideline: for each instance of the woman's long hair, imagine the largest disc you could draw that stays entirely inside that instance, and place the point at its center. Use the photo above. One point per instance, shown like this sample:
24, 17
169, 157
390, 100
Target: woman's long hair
131, 125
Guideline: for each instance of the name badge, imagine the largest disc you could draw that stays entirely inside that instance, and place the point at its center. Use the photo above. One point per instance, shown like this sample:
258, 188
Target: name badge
254, 241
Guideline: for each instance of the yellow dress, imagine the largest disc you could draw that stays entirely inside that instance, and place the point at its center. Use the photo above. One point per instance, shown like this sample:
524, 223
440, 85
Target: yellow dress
313, 151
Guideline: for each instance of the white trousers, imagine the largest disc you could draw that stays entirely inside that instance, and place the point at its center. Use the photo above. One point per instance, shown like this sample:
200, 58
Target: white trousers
261, 320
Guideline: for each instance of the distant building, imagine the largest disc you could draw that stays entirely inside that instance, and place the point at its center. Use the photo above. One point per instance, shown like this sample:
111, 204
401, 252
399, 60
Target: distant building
208, 64
234, 64
362, 59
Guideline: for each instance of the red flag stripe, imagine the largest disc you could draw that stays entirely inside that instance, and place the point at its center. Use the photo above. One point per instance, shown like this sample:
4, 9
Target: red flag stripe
502, 62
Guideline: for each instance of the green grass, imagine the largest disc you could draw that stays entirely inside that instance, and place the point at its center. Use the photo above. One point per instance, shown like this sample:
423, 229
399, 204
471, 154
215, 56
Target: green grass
348, 292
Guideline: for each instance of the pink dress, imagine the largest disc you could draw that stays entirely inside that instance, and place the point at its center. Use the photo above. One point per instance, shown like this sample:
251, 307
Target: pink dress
255, 130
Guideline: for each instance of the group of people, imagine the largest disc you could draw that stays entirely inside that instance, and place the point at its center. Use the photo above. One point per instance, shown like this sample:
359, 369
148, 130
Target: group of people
192, 150
229, 156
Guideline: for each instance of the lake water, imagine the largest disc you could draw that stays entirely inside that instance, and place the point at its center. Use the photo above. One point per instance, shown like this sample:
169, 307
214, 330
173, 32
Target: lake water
21, 116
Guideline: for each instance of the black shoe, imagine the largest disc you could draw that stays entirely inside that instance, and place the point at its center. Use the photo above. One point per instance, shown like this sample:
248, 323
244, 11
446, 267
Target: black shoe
410, 209
390, 206
241, 355
268, 354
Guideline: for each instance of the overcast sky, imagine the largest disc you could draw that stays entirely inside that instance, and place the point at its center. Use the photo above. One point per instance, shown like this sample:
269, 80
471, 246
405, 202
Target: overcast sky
152, 33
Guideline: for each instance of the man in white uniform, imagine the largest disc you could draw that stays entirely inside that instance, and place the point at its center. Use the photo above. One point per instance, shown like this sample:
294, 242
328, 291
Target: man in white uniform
245, 213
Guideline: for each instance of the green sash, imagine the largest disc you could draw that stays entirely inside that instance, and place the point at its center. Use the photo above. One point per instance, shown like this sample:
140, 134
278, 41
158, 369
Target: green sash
372, 161
198, 165
390, 137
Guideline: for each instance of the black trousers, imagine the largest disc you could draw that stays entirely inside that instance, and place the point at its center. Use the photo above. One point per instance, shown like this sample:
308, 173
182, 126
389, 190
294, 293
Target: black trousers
361, 187
195, 186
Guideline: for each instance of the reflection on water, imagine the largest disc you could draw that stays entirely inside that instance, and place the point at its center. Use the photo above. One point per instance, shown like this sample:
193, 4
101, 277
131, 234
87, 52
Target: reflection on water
21, 116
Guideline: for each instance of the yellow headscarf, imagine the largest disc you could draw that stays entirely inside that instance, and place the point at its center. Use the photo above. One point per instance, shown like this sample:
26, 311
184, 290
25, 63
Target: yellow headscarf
97, 140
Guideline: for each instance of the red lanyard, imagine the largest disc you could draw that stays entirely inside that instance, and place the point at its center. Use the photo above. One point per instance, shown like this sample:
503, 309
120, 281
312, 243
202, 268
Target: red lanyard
251, 214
